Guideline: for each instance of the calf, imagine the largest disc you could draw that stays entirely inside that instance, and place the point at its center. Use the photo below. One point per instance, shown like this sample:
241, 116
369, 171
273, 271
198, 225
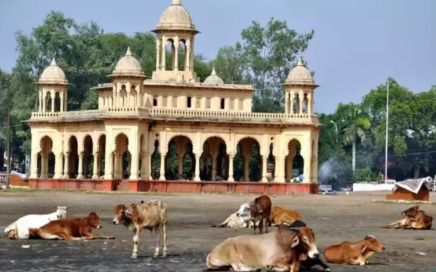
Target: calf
276, 251
304, 258
415, 219
69, 229
239, 219
357, 253
281, 216
260, 210
151, 215
21, 227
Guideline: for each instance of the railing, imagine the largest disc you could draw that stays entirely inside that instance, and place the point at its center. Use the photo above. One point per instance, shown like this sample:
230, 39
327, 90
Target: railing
175, 114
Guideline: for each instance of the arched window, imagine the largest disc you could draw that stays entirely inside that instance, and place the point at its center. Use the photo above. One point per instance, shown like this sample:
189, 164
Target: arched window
223, 103
189, 102
154, 102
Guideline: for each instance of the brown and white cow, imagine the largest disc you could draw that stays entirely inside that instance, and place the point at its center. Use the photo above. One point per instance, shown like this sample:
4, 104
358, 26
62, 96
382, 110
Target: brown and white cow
281, 216
276, 251
151, 215
357, 253
68, 229
260, 210
414, 219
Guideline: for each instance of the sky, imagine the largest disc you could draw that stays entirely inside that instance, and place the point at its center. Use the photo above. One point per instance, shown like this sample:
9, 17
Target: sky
357, 44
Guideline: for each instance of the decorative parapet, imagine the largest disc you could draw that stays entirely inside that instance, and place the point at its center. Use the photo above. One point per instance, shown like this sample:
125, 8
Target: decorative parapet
177, 114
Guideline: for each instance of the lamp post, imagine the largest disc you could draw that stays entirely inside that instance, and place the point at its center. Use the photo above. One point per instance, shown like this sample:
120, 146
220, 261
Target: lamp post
387, 126
336, 126
8, 154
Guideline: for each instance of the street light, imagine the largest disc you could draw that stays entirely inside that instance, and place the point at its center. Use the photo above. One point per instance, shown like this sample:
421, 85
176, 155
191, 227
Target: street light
387, 126
336, 126
8, 154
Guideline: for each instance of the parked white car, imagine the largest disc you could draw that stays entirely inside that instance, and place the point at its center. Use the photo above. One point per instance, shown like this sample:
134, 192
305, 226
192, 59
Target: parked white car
325, 188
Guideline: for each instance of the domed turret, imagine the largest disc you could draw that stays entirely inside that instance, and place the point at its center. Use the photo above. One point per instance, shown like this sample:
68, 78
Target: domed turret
128, 65
213, 79
175, 17
53, 74
300, 75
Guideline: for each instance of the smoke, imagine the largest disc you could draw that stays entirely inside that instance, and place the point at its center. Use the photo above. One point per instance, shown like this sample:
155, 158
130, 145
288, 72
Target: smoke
333, 170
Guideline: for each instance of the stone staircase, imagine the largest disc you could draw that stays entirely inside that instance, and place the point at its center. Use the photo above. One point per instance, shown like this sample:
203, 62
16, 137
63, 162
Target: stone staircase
123, 186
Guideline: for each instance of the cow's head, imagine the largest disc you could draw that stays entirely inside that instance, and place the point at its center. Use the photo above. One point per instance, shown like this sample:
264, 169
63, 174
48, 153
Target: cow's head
119, 214
244, 210
372, 244
13, 234
61, 212
93, 221
307, 242
256, 212
411, 212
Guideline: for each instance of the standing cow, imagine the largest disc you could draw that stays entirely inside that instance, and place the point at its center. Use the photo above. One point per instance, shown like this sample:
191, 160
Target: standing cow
260, 210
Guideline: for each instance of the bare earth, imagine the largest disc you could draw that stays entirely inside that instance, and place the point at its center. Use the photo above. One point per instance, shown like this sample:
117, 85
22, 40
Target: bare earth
190, 237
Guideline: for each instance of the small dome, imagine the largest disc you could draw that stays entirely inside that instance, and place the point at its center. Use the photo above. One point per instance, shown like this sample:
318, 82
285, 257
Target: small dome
175, 17
128, 65
213, 79
300, 75
53, 74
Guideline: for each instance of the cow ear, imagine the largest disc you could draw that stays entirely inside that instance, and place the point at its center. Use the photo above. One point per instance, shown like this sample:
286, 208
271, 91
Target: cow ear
295, 242
364, 248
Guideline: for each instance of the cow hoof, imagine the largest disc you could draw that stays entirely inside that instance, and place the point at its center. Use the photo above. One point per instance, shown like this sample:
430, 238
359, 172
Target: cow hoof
164, 254
134, 256
155, 255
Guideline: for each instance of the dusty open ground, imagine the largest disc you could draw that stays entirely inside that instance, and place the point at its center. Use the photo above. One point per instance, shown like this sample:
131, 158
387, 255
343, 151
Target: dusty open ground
333, 218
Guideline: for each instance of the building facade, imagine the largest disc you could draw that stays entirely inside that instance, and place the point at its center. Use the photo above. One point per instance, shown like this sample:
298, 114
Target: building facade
139, 117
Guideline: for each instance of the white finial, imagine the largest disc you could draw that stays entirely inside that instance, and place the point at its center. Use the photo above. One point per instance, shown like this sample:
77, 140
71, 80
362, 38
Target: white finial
176, 3
128, 53
300, 63
53, 62
213, 71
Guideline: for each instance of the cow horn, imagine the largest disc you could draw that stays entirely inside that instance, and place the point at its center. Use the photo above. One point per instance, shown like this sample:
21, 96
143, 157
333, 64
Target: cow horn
142, 201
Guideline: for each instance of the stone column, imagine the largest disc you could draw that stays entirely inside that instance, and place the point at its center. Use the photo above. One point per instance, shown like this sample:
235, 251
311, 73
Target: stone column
176, 56
287, 102
43, 166
58, 166
230, 178
188, 55
197, 168
143, 170
34, 166
213, 178
62, 102
301, 97
158, 51
162, 167
280, 173
53, 101
66, 102
289, 170
246, 159
264, 168
97, 163
108, 166
44, 99
67, 166
40, 101
164, 43
149, 168
80, 172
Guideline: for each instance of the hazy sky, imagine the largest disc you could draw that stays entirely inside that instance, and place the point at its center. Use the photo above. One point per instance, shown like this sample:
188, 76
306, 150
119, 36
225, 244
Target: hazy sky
357, 45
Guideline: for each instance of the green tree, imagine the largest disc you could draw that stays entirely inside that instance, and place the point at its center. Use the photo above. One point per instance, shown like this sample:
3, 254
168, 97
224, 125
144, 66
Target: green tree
356, 124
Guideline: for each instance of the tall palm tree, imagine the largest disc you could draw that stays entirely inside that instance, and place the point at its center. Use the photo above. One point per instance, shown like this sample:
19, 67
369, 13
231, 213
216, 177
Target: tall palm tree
355, 125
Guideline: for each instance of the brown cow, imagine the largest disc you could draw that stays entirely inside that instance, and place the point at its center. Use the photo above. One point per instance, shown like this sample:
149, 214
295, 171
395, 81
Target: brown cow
151, 215
281, 216
70, 229
357, 253
276, 251
260, 210
415, 219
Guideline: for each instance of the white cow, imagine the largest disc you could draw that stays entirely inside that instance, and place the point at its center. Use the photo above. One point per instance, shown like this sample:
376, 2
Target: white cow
22, 225
239, 219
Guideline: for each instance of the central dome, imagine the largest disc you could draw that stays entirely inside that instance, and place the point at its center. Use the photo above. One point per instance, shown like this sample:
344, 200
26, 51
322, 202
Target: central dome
175, 17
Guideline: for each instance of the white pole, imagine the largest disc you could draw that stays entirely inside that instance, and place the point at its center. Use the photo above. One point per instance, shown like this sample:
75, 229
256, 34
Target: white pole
387, 126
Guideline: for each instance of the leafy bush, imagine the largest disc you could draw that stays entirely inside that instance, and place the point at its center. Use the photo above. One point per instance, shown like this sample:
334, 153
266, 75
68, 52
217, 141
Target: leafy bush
366, 175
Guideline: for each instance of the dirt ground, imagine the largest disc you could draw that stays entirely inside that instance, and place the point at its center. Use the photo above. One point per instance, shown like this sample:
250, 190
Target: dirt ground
333, 218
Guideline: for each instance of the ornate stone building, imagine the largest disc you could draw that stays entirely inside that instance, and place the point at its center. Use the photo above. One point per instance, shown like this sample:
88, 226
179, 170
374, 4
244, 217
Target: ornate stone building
139, 117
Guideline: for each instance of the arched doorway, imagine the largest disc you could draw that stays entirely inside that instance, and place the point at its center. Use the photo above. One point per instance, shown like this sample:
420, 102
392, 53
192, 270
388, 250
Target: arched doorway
214, 160
72, 159
248, 160
294, 163
180, 160
155, 162
121, 156
46, 158
88, 160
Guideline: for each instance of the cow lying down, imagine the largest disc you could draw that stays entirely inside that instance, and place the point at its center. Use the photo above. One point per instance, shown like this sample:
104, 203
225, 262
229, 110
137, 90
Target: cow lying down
239, 219
414, 219
67, 229
21, 227
279, 250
